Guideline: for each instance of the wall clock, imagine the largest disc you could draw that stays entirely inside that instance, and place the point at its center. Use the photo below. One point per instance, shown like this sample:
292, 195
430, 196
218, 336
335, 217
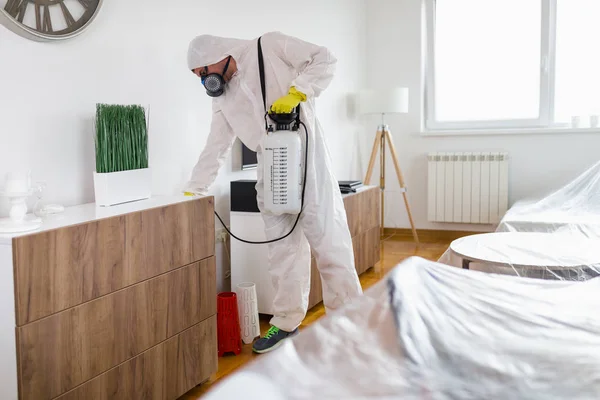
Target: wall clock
47, 20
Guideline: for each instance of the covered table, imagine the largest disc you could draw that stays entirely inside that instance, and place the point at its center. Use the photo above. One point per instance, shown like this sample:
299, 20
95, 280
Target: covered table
532, 254
572, 211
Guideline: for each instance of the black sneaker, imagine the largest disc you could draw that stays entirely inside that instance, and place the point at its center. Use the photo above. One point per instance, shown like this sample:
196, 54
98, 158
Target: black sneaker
272, 340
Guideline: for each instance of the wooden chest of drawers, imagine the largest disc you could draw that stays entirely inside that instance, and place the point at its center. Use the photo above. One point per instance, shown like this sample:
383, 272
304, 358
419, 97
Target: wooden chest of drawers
115, 303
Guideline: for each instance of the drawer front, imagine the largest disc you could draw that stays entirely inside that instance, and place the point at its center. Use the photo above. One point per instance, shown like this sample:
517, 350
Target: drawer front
315, 295
69, 348
161, 239
362, 210
366, 249
370, 210
60, 269
164, 372
203, 228
352, 204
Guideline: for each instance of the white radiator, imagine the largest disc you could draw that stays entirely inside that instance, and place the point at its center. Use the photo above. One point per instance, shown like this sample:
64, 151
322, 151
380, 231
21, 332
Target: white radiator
467, 187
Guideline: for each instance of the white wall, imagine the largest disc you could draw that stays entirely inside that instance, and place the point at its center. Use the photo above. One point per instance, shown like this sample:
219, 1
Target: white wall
135, 52
539, 162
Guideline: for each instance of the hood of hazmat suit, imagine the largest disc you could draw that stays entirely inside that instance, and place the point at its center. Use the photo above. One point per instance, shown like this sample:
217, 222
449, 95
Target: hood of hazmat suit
207, 49
240, 112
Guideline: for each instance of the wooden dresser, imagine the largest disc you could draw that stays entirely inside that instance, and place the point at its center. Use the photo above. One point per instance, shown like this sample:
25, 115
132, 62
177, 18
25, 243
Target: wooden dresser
110, 303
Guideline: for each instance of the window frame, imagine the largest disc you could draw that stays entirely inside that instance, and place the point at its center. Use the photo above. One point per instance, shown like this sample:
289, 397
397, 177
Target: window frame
545, 120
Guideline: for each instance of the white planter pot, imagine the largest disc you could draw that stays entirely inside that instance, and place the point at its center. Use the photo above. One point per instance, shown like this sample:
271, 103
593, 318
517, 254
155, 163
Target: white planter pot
248, 311
122, 187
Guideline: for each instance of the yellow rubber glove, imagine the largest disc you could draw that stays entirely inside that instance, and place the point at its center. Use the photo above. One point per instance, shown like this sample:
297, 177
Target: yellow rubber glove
287, 103
188, 194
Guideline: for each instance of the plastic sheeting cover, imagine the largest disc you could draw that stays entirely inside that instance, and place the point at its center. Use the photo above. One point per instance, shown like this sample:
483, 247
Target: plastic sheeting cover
473, 335
433, 332
564, 240
573, 209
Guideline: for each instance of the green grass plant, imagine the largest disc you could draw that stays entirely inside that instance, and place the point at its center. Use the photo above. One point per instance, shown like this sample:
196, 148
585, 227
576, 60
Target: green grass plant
121, 138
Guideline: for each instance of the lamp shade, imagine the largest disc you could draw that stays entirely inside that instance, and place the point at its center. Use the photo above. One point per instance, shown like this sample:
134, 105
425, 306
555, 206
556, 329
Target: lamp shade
383, 101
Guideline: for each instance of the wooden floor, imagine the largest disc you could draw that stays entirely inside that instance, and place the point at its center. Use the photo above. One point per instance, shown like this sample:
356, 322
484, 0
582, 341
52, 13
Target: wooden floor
395, 248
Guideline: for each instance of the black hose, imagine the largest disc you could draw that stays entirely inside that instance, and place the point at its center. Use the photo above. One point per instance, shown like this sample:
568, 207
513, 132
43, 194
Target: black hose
301, 207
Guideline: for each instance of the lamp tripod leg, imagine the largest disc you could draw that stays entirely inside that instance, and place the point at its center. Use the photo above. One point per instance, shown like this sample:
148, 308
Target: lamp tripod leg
401, 182
376, 144
382, 181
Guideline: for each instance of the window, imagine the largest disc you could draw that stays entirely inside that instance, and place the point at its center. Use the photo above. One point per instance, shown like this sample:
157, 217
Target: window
512, 64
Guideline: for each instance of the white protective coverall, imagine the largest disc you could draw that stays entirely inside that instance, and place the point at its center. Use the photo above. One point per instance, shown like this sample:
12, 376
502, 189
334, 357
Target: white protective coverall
240, 112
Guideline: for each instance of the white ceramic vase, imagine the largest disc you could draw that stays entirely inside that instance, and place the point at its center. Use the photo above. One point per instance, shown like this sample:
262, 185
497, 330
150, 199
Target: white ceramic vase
17, 189
248, 310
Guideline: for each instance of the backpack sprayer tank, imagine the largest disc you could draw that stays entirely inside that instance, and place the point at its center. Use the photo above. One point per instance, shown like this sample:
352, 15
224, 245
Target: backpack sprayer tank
282, 167
283, 180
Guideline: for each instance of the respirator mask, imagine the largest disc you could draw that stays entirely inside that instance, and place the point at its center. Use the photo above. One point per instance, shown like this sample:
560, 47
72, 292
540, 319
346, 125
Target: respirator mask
215, 83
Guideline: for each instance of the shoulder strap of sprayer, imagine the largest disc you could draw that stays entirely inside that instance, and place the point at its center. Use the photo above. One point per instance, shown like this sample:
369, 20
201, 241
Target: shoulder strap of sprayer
261, 71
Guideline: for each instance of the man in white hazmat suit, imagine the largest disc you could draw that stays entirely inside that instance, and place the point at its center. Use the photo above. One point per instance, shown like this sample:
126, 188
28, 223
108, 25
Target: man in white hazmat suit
295, 72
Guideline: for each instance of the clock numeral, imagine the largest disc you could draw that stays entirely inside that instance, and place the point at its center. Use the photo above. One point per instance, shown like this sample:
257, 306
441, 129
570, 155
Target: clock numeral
43, 23
46, 22
38, 17
17, 9
68, 16
89, 3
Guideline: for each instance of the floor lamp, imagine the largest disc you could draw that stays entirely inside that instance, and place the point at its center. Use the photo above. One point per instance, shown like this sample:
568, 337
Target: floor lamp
387, 101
